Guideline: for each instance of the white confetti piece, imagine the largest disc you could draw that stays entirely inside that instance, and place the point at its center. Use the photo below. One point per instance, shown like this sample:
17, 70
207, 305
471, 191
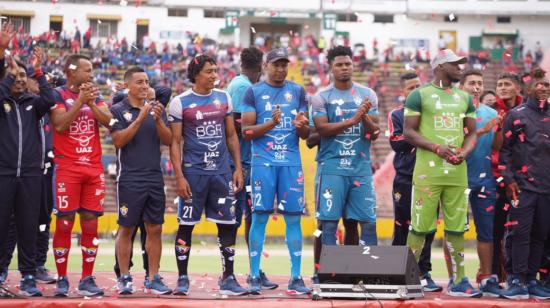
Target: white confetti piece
467, 191
446, 171
221, 201
387, 133
482, 175
95, 241
500, 179
112, 122
317, 233
176, 200
72, 67
252, 29
375, 257
431, 163
99, 21
462, 115
248, 188
7, 52
451, 16
42, 228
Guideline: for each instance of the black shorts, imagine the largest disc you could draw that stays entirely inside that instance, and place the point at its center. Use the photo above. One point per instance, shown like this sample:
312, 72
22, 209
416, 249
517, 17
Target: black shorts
140, 202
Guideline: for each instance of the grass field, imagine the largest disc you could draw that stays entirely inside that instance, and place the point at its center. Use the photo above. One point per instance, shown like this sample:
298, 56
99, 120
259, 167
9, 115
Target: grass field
205, 259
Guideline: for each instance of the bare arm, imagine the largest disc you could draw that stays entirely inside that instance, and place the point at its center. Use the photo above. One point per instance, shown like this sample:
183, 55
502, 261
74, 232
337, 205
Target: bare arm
371, 126
235, 151
413, 137
102, 114
163, 132
182, 186
62, 118
251, 130
301, 123
313, 139
123, 136
470, 140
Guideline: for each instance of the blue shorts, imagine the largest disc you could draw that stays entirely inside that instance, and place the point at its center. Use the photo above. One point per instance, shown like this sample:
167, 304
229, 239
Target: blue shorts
483, 210
244, 200
284, 182
140, 202
349, 197
212, 194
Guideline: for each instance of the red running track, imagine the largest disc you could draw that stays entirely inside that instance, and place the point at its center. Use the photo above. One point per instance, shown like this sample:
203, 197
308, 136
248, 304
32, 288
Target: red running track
204, 293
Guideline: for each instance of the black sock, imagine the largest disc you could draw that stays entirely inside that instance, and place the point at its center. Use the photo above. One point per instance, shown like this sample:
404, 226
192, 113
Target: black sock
226, 243
183, 248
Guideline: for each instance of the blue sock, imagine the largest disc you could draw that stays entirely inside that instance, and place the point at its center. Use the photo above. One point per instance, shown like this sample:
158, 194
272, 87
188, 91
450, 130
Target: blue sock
294, 243
368, 234
328, 237
256, 241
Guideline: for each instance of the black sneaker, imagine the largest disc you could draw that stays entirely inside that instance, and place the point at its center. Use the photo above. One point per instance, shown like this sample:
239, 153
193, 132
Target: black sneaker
43, 275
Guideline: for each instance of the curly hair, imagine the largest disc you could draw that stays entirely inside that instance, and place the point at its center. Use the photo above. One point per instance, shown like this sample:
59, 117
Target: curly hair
338, 51
197, 64
251, 58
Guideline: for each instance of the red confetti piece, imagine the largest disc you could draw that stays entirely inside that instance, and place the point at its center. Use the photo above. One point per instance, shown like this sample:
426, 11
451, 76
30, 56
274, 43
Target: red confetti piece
317, 266
479, 119
545, 119
466, 130
249, 202
490, 208
448, 90
196, 61
531, 179
356, 183
408, 222
524, 169
248, 132
363, 154
265, 254
501, 167
181, 242
508, 134
521, 137
367, 136
526, 79
482, 196
398, 223
511, 223
274, 217
517, 122
438, 221
543, 270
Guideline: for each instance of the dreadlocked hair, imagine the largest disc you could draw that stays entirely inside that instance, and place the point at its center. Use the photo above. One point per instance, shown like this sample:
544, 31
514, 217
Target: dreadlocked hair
197, 64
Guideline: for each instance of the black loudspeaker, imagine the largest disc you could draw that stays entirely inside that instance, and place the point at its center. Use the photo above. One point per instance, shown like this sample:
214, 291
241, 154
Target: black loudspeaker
368, 265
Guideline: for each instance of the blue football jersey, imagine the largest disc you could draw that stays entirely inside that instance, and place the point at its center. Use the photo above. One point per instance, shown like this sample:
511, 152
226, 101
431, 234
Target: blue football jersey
347, 153
279, 146
204, 142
